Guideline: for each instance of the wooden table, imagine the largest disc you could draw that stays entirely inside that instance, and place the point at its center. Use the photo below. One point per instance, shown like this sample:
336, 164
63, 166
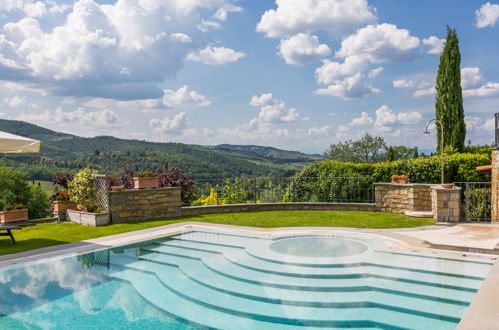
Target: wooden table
8, 232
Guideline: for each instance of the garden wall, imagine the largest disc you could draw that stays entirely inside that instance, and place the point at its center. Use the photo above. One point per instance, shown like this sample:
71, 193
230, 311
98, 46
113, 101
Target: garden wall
399, 198
232, 208
143, 204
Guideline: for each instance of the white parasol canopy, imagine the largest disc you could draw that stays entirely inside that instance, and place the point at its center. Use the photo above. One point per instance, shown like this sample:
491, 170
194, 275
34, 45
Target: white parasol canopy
10, 143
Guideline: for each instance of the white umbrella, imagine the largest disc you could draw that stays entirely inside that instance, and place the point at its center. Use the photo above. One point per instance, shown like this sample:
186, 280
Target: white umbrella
10, 143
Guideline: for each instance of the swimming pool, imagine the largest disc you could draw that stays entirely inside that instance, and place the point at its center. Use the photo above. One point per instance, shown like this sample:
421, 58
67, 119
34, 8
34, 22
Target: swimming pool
235, 280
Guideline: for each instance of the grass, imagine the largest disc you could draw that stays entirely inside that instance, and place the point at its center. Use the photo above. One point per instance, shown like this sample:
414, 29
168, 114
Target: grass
49, 234
46, 186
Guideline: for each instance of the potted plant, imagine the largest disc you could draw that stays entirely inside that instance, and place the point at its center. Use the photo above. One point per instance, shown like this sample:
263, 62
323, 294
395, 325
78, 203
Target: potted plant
62, 201
12, 212
146, 179
82, 193
400, 178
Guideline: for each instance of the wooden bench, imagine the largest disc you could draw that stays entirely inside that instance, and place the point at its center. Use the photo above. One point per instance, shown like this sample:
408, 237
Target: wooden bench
8, 231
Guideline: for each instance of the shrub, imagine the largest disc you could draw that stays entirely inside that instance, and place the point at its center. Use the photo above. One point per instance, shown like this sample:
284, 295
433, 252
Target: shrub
233, 192
127, 177
62, 179
325, 180
15, 190
479, 204
82, 189
175, 178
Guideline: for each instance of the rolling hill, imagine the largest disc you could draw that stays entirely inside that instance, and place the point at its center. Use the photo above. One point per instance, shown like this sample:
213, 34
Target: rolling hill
107, 154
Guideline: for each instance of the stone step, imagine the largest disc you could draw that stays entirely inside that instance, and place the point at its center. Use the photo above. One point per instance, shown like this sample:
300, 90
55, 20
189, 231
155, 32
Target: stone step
419, 214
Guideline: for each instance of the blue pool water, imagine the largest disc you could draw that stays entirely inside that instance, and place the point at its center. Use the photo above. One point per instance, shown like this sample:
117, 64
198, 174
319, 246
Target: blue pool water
203, 279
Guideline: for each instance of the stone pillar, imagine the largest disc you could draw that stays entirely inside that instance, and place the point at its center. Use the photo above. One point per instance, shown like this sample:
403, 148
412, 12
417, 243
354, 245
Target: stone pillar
495, 185
446, 203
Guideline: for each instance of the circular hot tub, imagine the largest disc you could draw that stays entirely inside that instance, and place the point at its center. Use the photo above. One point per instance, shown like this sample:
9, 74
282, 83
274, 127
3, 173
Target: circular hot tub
318, 246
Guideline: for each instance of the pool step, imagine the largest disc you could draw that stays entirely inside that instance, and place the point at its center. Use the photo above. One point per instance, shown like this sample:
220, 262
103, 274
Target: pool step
240, 258
330, 293
341, 314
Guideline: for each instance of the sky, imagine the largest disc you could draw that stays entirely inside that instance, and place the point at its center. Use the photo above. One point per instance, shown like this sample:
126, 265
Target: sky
292, 74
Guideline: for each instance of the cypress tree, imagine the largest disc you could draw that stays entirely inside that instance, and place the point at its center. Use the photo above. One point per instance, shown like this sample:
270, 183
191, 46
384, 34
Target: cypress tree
449, 99
390, 155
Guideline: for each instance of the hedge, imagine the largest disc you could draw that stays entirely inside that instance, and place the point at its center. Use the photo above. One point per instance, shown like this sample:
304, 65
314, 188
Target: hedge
316, 183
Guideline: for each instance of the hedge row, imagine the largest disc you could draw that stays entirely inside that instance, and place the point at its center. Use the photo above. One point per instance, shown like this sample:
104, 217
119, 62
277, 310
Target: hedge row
320, 180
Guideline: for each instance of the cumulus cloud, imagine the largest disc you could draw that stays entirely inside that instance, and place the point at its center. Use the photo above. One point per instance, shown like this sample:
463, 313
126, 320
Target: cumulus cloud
385, 117
363, 120
471, 77
348, 88
405, 83
215, 55
174, 125
436, 45
338, 17
488, 89
272, 110
302, 49
331, 71
487, 15
28, 7
184, 97
379, 44
121, 50
424, 88
375, 72
430, 91
15, 101
101, 118
222, 13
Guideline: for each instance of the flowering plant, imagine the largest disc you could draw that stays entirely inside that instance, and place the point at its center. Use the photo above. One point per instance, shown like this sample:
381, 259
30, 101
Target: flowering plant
15, 206
60, 196
147, 174
93, 208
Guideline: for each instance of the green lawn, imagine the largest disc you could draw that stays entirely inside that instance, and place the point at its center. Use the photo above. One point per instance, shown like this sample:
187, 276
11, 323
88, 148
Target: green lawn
46, 186
49, 234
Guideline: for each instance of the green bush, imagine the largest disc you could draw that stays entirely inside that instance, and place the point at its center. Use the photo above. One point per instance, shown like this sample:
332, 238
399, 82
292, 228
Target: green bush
316, 183
479, 204
15, 189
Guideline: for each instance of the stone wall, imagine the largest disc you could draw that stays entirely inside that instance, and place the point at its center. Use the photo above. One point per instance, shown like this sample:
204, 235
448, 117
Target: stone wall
400, 197
495, 185
231, 208
143, 204
446, 203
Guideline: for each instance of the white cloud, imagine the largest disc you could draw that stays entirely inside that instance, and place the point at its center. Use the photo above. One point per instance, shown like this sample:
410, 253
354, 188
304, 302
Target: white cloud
101, 118
471, 77
405, 83
331, 71
386, 119
260, 101
338, 17
487, 15
488, 89
302, 49
207, 25
272, 110
348, 88
29, 7
15, 101
35, 117
363, 120
222, 13
379, 44
121, 50
183, 97
215, 55
167, 125
437, 45
375, 72
181, 37
430, 91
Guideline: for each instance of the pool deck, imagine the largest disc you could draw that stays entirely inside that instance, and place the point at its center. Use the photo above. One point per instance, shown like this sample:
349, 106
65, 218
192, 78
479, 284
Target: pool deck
466, 240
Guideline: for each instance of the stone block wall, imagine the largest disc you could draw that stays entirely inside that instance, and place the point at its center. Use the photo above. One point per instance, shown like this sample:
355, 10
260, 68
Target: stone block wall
495, 185
399, 197
231, 208
446, 204
143, 204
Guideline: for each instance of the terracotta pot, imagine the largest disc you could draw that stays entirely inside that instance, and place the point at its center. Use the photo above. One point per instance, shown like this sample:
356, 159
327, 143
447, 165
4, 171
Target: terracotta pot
447, 185
117, 188
145, 183
399, 181
62, 206
13, 215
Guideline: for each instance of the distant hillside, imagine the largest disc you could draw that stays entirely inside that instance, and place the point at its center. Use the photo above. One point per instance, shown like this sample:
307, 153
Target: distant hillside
65, 152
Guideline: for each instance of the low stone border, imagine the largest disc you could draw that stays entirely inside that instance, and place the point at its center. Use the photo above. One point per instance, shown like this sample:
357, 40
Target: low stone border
258, 207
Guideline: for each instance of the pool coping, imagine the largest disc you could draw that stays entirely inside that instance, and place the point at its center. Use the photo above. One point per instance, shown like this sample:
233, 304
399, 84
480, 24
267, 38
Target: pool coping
481, 313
